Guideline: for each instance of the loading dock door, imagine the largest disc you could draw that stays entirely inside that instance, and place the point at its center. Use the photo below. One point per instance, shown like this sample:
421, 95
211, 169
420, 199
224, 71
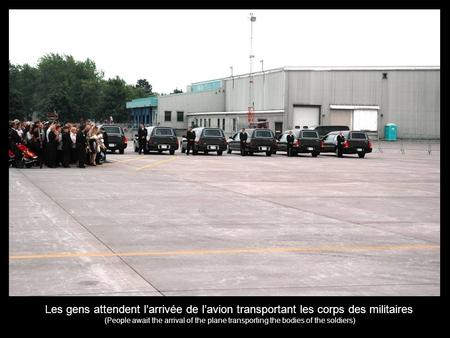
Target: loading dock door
306, 116
365, 120
340, 117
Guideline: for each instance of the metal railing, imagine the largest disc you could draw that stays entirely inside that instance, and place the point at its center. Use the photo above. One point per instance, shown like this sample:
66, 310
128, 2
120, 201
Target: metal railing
404, 146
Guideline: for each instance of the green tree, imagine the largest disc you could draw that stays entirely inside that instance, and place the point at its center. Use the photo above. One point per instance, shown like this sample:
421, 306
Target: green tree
147, 87
114, 95
73, 88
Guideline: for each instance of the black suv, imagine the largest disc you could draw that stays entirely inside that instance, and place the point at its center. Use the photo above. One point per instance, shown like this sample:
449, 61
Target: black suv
161, 139
258, 141
116, 138
356, 142
305, 141
206, 140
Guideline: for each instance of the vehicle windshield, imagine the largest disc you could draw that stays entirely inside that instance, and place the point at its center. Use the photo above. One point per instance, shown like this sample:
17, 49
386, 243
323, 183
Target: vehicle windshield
310, 134
263, 133
163, 132
359, 136
111, 129
212, 132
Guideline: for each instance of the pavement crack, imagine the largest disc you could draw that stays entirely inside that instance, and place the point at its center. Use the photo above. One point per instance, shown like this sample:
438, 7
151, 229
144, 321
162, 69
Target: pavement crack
92, 234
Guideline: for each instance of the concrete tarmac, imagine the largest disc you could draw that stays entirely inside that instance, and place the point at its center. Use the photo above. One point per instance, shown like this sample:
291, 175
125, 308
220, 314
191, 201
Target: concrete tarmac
161, 225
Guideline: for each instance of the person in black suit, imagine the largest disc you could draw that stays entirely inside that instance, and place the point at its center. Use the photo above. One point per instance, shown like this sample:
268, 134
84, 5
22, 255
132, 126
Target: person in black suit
105, 142
142, 137
81, 147
190, 136
66, 147
243, 140
290, 143
340, 144
52, 146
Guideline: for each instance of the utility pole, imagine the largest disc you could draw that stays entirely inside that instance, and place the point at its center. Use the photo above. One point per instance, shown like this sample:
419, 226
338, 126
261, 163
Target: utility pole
251, 104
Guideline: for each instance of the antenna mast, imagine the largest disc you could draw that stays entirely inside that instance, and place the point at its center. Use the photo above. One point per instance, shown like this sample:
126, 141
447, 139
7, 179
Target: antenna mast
251, 103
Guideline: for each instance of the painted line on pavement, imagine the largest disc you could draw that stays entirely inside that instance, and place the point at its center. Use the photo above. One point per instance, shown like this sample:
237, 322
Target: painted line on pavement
319, 249
157, 163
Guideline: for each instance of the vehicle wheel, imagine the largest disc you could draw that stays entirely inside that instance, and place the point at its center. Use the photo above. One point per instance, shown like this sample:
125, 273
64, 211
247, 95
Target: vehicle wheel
229, 151
219, 152
250, 153
206, 152
113, 151
160, 151
274, 152
121, 151
268, 153
28, 165
195, 152
361, 155
172, 152
314, 154
183, 150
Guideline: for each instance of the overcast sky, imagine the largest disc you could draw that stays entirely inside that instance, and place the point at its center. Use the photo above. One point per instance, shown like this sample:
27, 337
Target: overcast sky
172, 49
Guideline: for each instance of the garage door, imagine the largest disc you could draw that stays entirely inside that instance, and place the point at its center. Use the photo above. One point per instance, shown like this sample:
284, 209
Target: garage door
365, 120
306, 116
340, 117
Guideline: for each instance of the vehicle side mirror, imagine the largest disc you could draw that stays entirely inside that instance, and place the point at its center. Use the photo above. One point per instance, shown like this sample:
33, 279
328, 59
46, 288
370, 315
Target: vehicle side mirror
183, 136
136, 135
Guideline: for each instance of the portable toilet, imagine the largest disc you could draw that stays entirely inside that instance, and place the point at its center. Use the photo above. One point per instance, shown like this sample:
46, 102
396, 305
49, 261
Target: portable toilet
390, 132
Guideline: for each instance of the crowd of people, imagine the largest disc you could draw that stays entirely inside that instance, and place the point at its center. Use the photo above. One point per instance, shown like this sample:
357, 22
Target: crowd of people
59, 144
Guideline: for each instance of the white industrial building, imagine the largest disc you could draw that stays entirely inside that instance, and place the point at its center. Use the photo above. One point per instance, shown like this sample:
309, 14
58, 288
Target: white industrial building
363, 98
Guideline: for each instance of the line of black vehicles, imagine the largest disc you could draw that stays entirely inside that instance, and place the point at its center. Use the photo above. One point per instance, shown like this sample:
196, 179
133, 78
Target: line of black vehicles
322, 139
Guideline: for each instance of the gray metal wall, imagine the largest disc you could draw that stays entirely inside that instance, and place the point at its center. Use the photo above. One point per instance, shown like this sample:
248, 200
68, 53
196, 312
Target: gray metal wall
409, 98
268, 92
413, 102
189, 103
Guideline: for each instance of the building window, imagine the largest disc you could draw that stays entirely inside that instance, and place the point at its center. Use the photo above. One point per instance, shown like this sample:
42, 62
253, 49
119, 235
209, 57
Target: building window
234, 125
180, 116
209, 122
201, 122
218, 123
204, 123
167, 116
223, 124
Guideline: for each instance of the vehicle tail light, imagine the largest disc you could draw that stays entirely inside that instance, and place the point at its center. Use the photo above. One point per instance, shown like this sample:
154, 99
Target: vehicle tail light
370, 144
150, 141
297, 143
176, 139
346, 145
124, 139
321, 144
